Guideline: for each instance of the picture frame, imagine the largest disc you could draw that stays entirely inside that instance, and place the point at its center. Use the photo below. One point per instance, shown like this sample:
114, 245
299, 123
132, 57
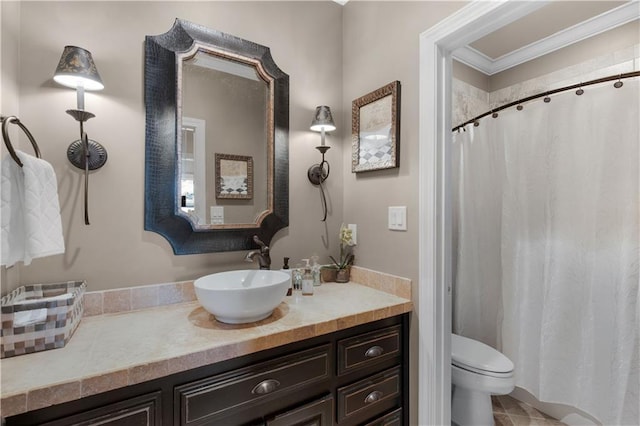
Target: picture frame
375, 129
234, 176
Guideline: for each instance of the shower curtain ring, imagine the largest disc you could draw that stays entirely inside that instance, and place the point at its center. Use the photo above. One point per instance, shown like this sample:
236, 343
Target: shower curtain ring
579, 91
519, 107
547, 99
476, 123
494, 114
618, 84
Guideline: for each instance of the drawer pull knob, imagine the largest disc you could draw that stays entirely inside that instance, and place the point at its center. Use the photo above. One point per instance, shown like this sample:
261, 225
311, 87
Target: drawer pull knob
374, 351
373, 397
265, 387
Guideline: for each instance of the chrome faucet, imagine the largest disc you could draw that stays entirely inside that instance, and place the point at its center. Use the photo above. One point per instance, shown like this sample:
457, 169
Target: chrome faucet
264, 260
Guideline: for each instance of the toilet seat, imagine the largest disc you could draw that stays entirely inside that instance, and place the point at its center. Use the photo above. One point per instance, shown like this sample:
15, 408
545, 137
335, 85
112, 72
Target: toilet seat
483, 372
475, 356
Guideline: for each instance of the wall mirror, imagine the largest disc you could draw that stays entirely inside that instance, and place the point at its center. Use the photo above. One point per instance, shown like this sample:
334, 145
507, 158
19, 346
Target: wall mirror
217, 113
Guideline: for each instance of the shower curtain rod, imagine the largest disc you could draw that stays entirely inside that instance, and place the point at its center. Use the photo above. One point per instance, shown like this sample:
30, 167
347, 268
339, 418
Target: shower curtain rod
550, 92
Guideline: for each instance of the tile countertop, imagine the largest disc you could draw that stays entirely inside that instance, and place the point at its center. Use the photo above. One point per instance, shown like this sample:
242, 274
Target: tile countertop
116, 350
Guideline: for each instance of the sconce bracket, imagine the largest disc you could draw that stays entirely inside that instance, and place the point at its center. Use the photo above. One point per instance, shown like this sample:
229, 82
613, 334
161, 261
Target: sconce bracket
80, 115
316, 174
323, 149
97, 154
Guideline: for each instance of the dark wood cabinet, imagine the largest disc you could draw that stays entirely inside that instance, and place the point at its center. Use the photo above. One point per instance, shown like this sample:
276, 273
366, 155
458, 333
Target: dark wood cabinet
369, 348
139, 411
355, 376
393, 418
209, 400
316, 413
369, 397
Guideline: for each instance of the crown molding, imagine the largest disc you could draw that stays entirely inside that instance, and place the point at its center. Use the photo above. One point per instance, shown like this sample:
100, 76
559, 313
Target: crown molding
589, 28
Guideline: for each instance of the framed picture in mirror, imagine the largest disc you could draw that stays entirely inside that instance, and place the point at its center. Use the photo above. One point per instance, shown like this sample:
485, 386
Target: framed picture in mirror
234, 176
375, 129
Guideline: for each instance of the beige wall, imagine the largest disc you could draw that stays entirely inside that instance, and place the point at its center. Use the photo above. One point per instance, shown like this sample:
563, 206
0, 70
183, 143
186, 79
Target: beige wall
9, 103
470, 76
115, 251
381, 41
380, 46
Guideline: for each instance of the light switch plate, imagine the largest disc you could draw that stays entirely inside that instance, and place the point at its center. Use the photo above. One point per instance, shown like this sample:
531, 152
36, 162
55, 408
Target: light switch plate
217, 215
354, 232
398, 218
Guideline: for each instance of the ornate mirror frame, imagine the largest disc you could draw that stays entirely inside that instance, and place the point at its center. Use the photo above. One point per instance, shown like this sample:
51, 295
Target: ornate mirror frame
163, 54
380, 107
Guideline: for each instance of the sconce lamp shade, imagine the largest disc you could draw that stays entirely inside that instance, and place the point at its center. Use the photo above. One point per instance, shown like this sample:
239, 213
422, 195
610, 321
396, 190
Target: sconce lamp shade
77, 69
322, 120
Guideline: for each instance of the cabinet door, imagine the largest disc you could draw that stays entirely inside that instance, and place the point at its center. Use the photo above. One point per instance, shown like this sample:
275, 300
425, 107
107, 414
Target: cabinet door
210, 400
392, 419
316, 413
140, 411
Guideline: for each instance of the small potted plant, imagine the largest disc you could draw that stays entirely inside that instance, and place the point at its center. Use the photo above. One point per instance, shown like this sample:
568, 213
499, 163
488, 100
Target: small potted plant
343, 266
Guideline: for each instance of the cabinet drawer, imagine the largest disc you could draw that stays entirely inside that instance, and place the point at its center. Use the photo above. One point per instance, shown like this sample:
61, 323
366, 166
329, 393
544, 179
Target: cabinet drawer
370, 396
204, 401
316, 413
394, 418
140, 411
369, 348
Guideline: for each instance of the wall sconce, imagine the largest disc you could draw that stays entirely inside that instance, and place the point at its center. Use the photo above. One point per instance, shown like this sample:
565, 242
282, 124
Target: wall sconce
318, 173
77, 70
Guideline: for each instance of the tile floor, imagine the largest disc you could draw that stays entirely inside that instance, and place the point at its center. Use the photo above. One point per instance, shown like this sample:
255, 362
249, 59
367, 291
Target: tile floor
508, 411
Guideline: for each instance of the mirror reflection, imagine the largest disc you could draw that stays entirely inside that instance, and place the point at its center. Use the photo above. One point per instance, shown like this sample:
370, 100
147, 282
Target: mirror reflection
224, 135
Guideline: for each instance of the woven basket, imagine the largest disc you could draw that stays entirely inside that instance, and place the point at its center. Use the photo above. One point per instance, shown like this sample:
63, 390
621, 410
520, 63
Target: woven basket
62, 303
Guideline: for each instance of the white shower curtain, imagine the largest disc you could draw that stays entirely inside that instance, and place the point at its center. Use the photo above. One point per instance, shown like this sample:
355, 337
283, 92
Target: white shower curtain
548, 246
478, 163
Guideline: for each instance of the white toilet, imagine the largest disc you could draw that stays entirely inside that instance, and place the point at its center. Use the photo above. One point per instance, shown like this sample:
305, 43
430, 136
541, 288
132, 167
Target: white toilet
477, 372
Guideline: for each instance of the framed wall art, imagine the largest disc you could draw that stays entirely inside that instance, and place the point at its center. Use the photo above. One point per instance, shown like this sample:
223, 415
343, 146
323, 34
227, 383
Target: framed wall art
234, 176
375, 129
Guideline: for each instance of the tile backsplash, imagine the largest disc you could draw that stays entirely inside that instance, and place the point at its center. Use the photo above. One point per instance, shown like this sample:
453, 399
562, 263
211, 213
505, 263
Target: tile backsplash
134, 298
388, 283
150, 296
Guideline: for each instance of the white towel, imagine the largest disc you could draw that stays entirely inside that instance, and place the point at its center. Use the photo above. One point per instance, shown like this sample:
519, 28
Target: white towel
25, 318
30, 211
64, 296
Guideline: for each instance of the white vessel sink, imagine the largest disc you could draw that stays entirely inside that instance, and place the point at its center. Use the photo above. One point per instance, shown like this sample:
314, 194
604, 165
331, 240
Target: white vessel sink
238, 297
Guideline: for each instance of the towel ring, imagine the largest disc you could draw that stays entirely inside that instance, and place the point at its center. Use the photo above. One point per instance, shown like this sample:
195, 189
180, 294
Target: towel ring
7, 141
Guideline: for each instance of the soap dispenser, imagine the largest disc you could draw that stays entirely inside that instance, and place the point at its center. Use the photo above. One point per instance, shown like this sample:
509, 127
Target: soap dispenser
286, 270
315, 271
307, 279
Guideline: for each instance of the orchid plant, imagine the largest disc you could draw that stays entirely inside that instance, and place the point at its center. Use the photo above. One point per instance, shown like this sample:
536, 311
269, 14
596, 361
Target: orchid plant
346, 244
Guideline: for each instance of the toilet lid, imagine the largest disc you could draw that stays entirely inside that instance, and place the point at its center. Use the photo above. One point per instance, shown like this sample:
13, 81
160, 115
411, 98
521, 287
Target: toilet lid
473, 355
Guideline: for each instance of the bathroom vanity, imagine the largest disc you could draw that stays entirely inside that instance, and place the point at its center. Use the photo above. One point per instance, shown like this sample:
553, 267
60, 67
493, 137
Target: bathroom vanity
338, 357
